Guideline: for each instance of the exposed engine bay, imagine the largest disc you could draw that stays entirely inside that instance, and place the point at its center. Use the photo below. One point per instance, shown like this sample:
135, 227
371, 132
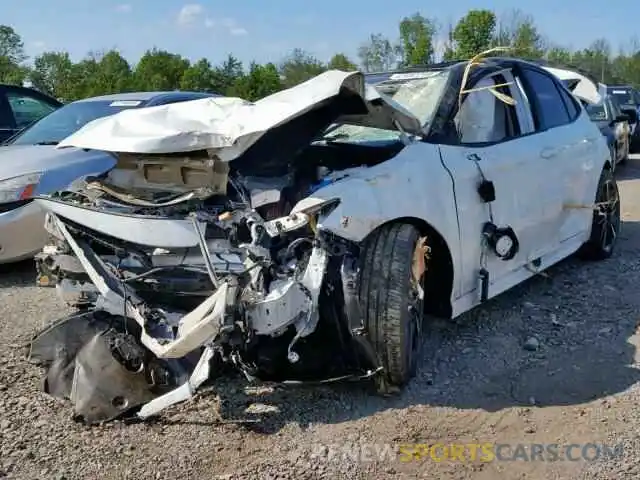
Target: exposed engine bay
204, 247
179, 264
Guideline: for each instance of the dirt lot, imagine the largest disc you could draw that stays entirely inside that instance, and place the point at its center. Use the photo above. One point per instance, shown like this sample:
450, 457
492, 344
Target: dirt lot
553, 361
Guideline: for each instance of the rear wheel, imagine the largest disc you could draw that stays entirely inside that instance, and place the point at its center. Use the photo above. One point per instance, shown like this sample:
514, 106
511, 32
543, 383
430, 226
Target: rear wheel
392, 298
605, 224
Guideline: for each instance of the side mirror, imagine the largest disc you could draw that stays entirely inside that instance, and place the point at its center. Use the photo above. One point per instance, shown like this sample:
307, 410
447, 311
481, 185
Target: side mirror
631, 114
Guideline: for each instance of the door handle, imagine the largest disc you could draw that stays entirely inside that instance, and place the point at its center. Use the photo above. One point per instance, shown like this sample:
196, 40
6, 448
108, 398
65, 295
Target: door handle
549, 152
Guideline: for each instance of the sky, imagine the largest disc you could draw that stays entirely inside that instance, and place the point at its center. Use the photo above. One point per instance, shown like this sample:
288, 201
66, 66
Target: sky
251, 30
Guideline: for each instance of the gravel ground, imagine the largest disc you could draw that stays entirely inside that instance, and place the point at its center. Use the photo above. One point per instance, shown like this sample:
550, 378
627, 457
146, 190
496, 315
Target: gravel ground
552, 361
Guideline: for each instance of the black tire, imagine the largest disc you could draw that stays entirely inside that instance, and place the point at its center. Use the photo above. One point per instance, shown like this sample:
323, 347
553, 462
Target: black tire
605, 226
391, 304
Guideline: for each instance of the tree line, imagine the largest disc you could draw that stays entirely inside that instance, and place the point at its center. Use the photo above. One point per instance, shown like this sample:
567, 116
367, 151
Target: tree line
418, 42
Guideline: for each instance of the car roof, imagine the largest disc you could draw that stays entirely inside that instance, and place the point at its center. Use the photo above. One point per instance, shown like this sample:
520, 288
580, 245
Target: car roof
146, 97
375, 77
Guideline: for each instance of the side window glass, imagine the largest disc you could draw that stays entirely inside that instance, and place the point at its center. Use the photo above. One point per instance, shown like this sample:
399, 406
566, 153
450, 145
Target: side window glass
482, 117
550, 108
26, 109
570, 103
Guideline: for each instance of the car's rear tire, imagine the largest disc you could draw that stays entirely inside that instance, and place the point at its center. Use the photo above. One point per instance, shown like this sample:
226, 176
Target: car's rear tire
605, 225
392, 300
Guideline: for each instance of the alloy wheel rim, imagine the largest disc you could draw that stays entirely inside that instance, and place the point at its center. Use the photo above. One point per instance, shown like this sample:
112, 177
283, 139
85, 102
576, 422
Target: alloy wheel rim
608, 215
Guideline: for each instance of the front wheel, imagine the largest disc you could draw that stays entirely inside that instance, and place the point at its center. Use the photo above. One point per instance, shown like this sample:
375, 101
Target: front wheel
391, 296
605, 225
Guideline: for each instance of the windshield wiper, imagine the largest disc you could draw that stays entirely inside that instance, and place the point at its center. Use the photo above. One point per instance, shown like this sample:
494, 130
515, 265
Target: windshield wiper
50, 142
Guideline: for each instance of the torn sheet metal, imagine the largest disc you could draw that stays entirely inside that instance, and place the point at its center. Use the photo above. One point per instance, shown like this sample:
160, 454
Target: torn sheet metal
200, 375
195, 329
56, 347
229, 126
151, 231
103, 382
110, 377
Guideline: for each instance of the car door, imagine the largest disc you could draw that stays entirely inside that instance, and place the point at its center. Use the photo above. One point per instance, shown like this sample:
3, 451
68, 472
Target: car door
495, 144
567, 140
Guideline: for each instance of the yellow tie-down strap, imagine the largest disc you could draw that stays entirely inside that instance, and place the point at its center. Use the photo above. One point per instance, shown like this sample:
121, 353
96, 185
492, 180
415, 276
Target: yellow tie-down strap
478, 60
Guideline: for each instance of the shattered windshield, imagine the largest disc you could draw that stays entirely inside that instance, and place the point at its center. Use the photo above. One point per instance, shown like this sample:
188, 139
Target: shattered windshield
418, 92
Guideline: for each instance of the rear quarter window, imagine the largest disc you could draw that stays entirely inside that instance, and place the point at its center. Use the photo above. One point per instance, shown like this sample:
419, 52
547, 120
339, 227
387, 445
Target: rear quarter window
573, 108
550, 108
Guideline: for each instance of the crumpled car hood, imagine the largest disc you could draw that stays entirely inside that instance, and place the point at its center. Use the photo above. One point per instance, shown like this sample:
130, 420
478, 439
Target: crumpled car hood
231, 126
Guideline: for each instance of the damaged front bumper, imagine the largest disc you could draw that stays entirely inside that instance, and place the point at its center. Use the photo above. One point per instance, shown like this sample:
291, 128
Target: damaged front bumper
169, 298
197, 250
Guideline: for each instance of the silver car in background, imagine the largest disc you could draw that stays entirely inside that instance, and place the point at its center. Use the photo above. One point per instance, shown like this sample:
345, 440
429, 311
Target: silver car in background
30, 164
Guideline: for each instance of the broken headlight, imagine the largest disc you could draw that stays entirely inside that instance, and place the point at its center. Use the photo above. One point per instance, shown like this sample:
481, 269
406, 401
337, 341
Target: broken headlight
19, 188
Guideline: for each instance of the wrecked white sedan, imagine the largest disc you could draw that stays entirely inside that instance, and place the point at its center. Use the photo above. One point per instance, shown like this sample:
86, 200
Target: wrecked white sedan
307, 236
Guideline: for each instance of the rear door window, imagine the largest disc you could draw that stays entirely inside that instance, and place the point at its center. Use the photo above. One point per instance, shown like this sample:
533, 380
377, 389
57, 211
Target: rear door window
571, 103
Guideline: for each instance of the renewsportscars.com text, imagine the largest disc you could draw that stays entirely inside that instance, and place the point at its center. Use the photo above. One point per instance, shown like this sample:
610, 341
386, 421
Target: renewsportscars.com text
468, 452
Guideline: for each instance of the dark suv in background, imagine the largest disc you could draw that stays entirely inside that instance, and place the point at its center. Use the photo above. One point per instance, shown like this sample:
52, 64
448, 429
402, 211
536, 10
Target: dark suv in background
22, 106
629, 99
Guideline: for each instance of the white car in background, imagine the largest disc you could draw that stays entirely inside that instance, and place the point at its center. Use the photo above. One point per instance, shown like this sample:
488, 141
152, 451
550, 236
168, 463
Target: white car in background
616, 121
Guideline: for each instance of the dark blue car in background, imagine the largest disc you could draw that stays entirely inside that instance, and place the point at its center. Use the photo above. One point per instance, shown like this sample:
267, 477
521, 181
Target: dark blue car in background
614, 125
22, 106
629, 99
